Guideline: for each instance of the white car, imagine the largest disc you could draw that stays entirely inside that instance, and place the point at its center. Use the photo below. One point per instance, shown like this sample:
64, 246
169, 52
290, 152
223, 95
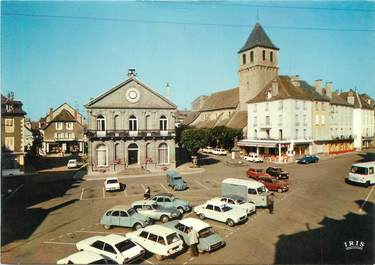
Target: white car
72, 163
220, 211
238, 202
253, 158
207, 150
112, 184
219, 151
158, 239
85, 257
116, 247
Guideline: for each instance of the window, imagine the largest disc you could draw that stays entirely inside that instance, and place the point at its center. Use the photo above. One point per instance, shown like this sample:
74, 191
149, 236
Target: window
297, 120
280, 119
304, 105
280, 105
316, 119
116, 122
109, 248
264, 55
217, 209
271, 56
268, 120
316, 106
9, 125
143, 234
152, 237
163, 123
108, 213
323, 120
244, 58
167, 200
100, 123
101, 154
123, 214
297, 105
251, 191
252, 56
59, 125
9, 143
9, 108
163, 154
323, 106
267, 103
161, 240
304, 133
133, 123
69, 125
304, 119
98, 244
296, 136
115, 213
210, 207
255, 107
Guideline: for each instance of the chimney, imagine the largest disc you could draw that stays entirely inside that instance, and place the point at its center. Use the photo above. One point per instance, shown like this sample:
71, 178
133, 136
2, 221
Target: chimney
275, 87
295, 80
76, 114
350, 98
318, 86
132, 72
328, 89
50, 114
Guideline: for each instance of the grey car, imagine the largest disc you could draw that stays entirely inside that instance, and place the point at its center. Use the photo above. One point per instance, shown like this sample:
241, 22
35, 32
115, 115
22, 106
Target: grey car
151, 209
167, 200
208, 239
124, 216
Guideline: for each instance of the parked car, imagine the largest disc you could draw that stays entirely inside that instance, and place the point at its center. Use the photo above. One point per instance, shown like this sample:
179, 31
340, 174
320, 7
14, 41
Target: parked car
249, 190
151, 209
72, 163
220, 211
124, 216
255, 172
271, 183
253, 158
237, 202
362, 173
118, 248
85, 257
112, 184
208, 240
308, 160
174, 180
207, 150
159, 240
167, 200
219, 151
277, 172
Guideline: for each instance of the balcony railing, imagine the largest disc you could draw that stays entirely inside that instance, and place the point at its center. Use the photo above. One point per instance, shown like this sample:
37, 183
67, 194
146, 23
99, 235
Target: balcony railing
130, 134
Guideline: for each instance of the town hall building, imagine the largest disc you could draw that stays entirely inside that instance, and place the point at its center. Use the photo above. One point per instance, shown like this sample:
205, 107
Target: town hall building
130, 126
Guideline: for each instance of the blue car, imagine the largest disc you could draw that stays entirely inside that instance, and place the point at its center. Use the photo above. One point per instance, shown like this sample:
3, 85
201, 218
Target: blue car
308, 160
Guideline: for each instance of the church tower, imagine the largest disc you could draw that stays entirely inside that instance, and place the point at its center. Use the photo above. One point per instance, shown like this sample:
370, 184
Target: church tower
257, 64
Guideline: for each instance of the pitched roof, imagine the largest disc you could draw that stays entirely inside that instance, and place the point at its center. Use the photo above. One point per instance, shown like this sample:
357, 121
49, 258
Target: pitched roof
64, 115
359, 101
192, 116
238, 120
227, 99
258, 38
339, 100
286, 89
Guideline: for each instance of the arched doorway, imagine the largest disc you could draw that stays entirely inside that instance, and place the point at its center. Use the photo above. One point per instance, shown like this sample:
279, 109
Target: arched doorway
101, 154
132, 154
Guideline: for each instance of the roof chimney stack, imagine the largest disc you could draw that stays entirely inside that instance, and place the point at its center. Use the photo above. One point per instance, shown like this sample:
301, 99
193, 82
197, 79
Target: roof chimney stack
132, 72
167, 91
295, 80
328, 89
318, 86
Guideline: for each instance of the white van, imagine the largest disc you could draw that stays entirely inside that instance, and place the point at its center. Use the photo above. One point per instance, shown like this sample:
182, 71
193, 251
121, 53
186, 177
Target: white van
362, 173
250, 190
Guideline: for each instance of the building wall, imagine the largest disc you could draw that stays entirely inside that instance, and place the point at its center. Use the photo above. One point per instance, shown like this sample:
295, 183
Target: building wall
340, 121
320, 120
17, 135
50, 133
255, 75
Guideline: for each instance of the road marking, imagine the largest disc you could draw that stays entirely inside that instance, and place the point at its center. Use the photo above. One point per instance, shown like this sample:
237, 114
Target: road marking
191, 258
82, 228
149, 262
103, 193
125, 193
368, 196
201, 184
82, 194
223, 227
97, 232
58, 243
164, 187
17, 189
51, 239
60, 236
143, 186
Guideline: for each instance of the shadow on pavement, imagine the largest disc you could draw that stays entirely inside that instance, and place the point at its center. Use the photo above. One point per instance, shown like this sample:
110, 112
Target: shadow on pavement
367, 157
327, 244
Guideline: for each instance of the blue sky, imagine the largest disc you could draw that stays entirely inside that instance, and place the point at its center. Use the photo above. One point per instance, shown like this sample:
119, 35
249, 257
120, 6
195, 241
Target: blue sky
57, 52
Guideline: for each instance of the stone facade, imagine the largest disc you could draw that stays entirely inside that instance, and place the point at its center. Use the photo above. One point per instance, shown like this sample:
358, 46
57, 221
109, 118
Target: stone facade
131, 126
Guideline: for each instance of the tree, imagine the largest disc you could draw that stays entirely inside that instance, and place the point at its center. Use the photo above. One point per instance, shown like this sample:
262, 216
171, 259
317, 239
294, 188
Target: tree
193, 139
179, 131
223, 137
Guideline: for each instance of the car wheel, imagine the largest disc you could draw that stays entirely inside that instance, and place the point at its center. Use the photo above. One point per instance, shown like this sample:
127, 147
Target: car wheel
174, 188
279, 190
164, 219
367, 184
181, 210
201, 216
230, 222
137, 226
159, 257
107, 227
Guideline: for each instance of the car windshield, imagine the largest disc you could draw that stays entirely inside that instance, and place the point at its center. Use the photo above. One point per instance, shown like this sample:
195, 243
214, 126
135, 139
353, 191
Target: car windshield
112, 181
124, 245
261, 190
131, 211
359, 170
177, 178
259, 170
206, 232
225, 208
172, 238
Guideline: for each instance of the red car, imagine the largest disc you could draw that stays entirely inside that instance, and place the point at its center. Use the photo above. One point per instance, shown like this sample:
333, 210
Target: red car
271, 183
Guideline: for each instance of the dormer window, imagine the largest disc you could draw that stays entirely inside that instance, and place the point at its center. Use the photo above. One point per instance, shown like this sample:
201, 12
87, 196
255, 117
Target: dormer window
264, 55
9, 108
252, 56
244, 58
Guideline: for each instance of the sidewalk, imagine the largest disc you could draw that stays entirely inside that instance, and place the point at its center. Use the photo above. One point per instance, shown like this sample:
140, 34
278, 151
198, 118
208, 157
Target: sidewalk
183, 170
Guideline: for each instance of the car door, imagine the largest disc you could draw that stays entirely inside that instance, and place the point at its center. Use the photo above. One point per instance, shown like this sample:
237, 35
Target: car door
152, 239
115, 218
252, 195
110, 252
220, 216
149, 211
125, 219
208, 211
182, 229
168, 203
97, 247
160, 201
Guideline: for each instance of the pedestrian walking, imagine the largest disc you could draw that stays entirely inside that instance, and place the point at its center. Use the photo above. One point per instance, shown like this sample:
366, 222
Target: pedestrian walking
271, 203
193, 240
147, 193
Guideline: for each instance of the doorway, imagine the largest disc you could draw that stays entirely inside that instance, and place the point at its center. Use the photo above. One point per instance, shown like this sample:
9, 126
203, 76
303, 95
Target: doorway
132, 154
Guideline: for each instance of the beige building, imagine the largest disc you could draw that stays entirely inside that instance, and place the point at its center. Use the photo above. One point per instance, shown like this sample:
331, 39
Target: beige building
130, 125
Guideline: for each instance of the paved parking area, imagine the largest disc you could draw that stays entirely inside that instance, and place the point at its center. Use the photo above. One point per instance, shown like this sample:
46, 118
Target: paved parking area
310, 223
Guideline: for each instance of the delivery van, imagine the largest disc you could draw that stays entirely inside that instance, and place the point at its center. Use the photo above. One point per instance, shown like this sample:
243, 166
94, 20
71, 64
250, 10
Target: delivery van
362, 173
249, 190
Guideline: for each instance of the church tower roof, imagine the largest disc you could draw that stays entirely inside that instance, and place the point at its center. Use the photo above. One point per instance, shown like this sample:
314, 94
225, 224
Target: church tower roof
258, 38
